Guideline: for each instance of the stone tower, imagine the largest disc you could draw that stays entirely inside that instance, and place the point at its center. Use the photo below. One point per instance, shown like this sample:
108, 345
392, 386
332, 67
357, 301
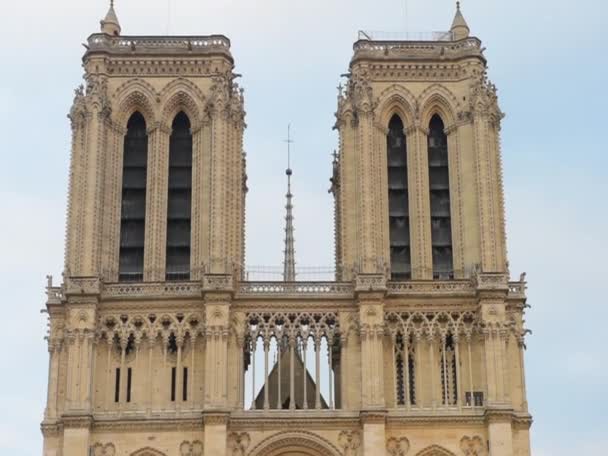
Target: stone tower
159, 347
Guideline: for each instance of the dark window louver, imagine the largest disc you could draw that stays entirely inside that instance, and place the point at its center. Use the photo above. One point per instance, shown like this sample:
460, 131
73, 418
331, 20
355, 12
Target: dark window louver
439, 186
133, 206
399, 221
179, 200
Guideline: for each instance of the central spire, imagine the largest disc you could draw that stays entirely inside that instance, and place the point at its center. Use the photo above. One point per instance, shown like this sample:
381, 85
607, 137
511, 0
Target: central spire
289, 261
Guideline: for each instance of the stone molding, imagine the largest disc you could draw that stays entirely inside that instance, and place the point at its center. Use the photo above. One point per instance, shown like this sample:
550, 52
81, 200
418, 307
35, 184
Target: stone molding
303, 439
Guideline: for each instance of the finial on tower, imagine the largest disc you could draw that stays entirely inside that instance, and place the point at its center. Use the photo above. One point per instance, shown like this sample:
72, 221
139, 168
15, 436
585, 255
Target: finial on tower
460, 29
110, 25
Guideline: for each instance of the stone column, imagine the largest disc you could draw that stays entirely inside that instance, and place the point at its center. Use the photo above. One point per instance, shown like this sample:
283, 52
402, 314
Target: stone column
374, 433
492, 291
217, 297
215, 430
419, 200
370, 291
51, 403
76, 434
500, 434
157, 182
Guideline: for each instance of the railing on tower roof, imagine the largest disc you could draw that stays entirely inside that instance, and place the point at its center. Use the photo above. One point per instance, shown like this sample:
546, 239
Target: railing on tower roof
376, 45
405, 36
101, 42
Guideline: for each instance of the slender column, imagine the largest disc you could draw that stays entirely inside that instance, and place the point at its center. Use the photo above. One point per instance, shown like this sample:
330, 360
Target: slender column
240, 343
343, 402
51, 398
70, 368
504, 345
179, 375
266, 385
253, 349
279, 343
318, 372
445, 372
406, 370
305, 376
193, 367
109, 375
432, 358
331, 373
150, 382
523, 375
470, 371
91, 372
418, 372
204, 378
292, 392
81, 369
123, 354
395, 371
458, 380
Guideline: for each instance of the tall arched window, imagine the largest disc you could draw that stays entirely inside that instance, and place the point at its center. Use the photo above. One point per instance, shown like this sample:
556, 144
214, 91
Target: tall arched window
179, 201
133, 207
399, 221
439, 183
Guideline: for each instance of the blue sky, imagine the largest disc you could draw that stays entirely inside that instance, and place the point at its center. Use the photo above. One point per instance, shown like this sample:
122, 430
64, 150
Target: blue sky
546, 58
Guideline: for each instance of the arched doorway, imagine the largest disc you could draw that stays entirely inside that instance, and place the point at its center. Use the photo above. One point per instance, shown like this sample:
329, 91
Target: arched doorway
295, 444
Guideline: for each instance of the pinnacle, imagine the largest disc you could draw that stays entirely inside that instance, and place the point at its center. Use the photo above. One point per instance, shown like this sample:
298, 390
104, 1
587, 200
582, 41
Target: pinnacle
110, 24
460, 28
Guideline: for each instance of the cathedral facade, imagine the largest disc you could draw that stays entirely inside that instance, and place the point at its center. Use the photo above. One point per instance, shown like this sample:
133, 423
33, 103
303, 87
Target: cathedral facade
159, 343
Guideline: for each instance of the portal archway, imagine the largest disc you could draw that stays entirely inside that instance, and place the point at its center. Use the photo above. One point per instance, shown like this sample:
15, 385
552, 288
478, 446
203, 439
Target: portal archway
295, 444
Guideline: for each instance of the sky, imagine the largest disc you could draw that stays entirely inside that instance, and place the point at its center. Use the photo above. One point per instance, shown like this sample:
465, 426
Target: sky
545, 56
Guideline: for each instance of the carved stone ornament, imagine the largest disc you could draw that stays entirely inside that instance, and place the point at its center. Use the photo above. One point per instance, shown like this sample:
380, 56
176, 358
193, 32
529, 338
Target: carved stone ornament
100, 449
472, 446
238, 443
349, 441
194, 448
397, 447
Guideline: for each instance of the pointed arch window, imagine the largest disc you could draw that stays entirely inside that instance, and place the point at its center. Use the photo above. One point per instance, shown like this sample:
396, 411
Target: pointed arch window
179, 200
399, 220
439, 184
133, 205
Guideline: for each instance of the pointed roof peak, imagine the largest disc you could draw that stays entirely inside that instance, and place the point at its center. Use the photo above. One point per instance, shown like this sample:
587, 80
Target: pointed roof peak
460, 28
110, 24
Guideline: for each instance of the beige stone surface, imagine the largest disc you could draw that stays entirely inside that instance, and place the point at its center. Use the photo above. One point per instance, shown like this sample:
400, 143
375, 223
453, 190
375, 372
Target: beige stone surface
114, 346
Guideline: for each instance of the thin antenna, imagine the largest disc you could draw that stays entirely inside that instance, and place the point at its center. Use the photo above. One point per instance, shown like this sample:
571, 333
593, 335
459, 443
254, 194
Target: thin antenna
288, 141
111, 3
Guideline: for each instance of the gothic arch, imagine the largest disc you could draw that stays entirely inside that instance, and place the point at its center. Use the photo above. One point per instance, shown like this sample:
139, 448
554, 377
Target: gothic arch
436, 99
135, 95
435, 450
396, 99
182, 95
303, 442
148, 452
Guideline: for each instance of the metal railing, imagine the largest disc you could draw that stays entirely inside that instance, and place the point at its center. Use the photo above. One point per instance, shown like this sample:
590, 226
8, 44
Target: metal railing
405, 36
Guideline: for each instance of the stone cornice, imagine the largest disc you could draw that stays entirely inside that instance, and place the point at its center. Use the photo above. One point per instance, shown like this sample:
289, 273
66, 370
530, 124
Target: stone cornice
76, 420
372, 416
158, 46
300, 419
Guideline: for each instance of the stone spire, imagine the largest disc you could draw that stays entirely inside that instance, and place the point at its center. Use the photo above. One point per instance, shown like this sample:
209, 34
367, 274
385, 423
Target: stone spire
289, 261
110, 25
459, 29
